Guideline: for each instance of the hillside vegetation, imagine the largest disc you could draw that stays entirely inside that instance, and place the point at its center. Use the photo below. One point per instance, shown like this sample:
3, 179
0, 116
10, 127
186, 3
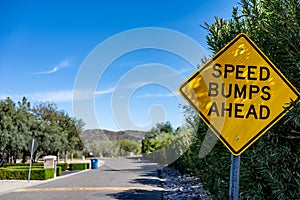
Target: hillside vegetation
112, 144
270, 168
102, 134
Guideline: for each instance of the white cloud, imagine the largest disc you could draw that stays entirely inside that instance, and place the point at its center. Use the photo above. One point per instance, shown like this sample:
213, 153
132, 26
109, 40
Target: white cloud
62, 64
107, 91
55, 69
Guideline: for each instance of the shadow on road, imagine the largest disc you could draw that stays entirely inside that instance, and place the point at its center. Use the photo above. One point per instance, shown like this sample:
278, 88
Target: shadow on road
148, 180
138, 194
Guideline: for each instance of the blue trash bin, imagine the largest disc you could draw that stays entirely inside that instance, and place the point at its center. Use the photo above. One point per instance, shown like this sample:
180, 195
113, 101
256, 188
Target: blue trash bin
94, 162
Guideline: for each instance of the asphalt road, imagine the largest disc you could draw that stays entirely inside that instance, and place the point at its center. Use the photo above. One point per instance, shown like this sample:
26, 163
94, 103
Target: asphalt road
120, 178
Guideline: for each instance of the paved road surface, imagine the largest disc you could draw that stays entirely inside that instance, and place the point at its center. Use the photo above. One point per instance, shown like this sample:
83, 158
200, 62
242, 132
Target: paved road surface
120, 178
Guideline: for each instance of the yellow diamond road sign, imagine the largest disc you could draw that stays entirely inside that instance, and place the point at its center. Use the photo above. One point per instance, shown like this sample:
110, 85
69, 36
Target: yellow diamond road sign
239, 94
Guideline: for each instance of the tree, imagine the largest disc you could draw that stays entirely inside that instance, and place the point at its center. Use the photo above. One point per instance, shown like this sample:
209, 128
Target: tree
73, 129
7, 126
159, 128
16, 128
24, 121
61, 133
53, 137
54, 131
129, 146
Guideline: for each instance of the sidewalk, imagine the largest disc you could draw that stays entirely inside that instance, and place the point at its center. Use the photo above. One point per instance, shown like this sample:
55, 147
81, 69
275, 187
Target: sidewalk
10, 185
7, 186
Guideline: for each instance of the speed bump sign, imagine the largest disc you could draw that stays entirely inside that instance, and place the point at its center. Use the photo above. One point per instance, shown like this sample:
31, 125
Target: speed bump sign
239, 94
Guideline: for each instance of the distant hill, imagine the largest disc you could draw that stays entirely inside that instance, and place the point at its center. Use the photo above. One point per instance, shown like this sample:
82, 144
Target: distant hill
102, 135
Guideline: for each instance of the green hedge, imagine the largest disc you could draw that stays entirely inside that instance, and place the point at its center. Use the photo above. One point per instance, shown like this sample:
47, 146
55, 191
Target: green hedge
22, 173
64, 166
24, 167
22, 164
58, 170
78, 166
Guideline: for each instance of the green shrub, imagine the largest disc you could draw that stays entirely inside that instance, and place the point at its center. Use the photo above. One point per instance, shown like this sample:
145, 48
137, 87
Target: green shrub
58, 170
129, 145
49, 173
78, 166
22, 164
25, 167
22, 174
64, 166
34, 167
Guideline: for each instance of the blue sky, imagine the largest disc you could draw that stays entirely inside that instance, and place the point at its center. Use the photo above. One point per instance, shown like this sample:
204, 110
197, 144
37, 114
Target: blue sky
43, 45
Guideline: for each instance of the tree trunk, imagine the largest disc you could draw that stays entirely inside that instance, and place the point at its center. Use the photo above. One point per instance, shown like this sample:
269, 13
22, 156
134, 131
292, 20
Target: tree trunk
24, 157
15, 157
66, 157
57, 155
8, 157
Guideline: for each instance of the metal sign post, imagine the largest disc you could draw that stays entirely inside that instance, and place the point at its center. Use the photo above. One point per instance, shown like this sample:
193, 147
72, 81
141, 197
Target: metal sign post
31, 153
234, 177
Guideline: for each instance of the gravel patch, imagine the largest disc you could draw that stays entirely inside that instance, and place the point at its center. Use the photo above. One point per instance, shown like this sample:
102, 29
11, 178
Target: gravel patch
178, 186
